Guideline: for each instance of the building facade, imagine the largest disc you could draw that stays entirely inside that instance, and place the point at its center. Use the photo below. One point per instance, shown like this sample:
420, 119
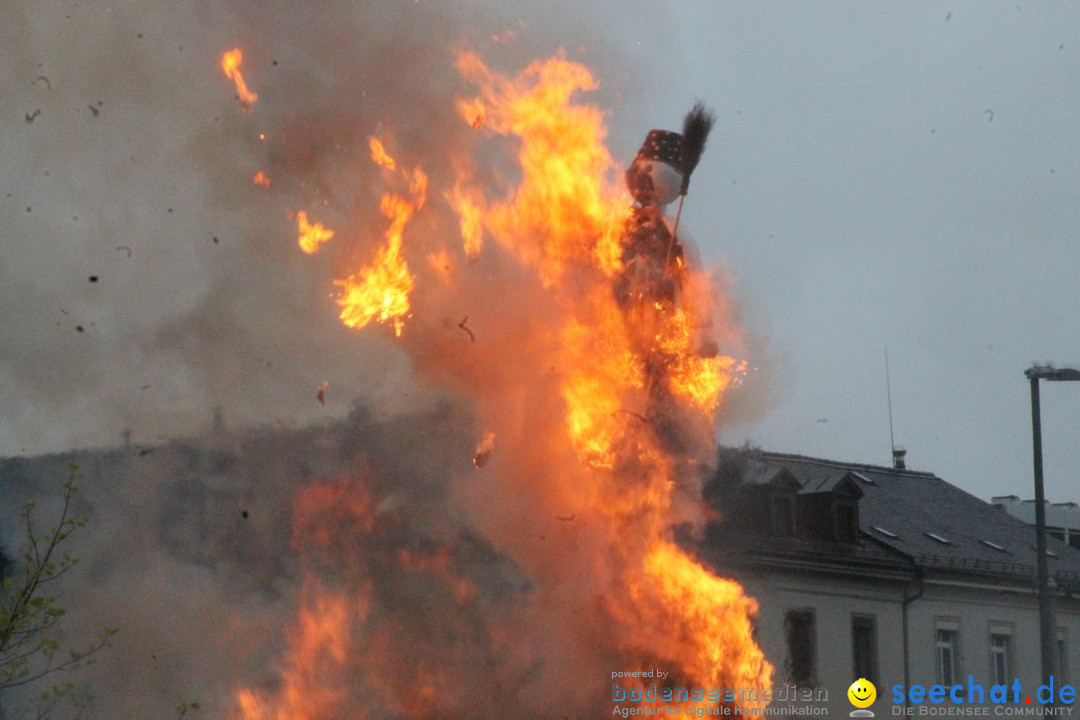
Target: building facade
860, 571
886, 574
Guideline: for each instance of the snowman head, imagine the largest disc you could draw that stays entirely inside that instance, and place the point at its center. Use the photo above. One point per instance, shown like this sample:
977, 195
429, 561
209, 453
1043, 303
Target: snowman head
653, 178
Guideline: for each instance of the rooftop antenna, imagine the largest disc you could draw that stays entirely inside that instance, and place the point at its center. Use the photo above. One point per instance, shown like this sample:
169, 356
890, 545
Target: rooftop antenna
897, 452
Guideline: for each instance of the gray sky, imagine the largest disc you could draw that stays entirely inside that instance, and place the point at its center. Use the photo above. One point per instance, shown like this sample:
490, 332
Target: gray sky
901, 174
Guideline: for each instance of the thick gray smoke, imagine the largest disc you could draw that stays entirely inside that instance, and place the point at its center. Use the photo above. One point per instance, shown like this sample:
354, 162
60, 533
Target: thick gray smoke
197, 550
127, 158
147, 285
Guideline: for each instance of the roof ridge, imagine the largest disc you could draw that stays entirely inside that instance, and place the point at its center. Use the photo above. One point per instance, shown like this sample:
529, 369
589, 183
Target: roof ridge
847, 465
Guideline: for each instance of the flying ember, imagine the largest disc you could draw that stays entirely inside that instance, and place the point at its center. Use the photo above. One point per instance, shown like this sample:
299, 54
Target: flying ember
230, 63
311, 235
378, 154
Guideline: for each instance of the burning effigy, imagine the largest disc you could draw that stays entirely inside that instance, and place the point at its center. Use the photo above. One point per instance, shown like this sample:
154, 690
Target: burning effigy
595, 369
660, 286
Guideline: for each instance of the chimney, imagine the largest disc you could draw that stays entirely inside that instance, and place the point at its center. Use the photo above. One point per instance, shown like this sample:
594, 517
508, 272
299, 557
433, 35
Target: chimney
898, 454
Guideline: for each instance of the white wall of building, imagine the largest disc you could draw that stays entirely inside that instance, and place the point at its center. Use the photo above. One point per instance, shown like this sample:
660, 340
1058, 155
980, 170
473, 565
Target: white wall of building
835, 601
974, 608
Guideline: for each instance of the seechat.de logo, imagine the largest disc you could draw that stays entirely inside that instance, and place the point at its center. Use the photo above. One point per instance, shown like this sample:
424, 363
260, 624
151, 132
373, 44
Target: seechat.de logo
862, 695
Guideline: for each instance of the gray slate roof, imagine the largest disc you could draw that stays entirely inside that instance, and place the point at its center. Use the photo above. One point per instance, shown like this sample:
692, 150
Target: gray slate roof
914, 506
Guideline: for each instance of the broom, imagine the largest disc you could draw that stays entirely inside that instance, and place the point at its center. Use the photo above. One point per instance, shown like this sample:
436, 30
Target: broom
696, 126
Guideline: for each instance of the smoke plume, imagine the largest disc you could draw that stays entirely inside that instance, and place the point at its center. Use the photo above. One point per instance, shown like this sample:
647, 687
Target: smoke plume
365, 567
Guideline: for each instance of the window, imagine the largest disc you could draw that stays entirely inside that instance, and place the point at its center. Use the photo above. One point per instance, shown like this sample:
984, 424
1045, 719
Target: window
947, 640
1001, 653
847, 524
864, 648
1063, 655
800, 634
783, 515
999, 658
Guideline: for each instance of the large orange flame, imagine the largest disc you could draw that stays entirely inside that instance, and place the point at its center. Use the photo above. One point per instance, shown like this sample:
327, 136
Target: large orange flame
604, 413
319, 643
380, 291
318, 646
561, 212
624, 372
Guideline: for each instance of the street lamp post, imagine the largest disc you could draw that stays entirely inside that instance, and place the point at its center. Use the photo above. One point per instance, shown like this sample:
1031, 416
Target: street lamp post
1047, 623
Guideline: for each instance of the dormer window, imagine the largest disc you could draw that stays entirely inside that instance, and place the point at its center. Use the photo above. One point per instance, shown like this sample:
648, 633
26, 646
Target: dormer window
829, 510
783, 514
774, 496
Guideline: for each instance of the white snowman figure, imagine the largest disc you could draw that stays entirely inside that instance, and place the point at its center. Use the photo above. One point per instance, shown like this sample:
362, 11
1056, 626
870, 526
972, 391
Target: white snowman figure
661, 265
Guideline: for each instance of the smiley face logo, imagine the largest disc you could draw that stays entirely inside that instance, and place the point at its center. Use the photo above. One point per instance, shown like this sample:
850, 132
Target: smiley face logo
862, 693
